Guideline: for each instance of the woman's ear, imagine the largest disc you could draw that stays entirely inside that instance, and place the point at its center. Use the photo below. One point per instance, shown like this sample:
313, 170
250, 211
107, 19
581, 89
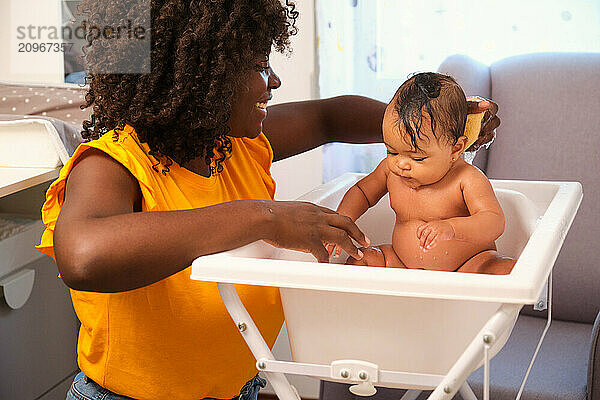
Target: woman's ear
459, 147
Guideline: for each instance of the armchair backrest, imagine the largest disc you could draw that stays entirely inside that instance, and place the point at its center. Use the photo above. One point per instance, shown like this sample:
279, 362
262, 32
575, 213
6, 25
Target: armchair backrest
549, 105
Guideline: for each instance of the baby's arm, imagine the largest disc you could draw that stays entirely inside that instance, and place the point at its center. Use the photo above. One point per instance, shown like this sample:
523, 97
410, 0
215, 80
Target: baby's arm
485, 223
365, 193
360, 197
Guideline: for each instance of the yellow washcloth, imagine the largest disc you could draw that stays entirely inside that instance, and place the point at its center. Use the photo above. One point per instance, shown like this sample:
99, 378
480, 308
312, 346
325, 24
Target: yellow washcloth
473, 125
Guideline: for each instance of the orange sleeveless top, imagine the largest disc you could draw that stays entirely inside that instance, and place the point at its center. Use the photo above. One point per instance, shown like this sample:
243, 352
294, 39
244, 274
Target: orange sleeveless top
173, 339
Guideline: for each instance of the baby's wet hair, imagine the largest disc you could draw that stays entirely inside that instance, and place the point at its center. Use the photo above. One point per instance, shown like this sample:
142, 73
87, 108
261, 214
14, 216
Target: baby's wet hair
441, 97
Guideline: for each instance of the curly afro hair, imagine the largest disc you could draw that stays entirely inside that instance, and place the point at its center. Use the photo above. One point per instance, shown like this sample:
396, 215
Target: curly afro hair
200, 53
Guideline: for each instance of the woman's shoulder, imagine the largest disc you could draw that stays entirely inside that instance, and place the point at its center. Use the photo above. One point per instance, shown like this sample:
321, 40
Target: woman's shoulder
120, 151
120, 137
99, 175
123, 145
258, 148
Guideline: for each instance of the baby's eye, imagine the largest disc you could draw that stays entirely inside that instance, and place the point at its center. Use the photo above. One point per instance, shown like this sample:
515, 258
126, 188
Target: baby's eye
419, 159
392, 154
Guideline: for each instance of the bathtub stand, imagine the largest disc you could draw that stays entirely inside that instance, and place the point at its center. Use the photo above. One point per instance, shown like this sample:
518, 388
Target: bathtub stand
538, 215
365, 374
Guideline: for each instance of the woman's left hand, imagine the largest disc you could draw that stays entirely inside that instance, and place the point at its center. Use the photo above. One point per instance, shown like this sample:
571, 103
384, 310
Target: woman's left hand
489, 122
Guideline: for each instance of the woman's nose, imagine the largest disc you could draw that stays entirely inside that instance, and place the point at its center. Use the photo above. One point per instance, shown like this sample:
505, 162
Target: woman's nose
274, 81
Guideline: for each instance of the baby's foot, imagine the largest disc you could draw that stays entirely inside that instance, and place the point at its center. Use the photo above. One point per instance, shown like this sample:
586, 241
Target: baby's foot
372, 257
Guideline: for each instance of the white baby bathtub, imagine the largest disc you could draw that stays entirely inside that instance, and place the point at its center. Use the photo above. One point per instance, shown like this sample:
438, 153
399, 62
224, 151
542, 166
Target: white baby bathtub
400, 328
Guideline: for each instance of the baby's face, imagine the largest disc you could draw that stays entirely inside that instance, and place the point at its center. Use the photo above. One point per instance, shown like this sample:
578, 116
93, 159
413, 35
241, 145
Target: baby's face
420, 167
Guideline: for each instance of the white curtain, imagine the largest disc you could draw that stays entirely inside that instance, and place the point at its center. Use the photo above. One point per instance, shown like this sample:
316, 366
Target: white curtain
369, 47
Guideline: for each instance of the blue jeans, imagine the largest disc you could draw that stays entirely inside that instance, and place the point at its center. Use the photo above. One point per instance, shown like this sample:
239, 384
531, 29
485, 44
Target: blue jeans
83, 388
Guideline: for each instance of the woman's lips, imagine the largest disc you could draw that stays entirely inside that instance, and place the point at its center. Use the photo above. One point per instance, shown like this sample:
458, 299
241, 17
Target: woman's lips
261, 109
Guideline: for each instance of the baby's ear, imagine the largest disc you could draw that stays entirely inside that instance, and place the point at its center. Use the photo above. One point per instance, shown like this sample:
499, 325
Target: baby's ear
459, 147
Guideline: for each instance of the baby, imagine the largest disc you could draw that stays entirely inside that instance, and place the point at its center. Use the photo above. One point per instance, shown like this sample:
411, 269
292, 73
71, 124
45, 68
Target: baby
447, 216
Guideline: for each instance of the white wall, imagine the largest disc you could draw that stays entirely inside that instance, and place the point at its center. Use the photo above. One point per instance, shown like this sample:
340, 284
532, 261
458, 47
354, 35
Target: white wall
29, 66
299, 174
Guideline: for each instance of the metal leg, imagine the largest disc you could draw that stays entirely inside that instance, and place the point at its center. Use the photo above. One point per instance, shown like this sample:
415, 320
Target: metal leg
466, 392
537, 349
486, 371
411, 395
453, 382
503, 319
255, 341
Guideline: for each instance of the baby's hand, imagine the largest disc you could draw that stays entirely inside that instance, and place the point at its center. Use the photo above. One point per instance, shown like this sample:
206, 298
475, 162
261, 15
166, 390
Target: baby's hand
331, 248
430, 233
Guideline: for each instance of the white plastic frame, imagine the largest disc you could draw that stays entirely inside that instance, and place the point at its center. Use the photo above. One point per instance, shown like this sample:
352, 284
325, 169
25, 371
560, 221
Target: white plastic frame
523, 286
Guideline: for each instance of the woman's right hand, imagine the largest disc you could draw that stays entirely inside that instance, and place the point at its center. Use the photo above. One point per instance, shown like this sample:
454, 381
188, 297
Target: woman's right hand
306, 226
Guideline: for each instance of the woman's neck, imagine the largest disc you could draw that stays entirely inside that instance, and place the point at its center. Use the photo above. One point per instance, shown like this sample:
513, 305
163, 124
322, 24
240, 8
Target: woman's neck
198, 166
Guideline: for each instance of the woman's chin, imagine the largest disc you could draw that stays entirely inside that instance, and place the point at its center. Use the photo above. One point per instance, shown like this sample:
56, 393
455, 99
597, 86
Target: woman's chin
254, 134
247, 133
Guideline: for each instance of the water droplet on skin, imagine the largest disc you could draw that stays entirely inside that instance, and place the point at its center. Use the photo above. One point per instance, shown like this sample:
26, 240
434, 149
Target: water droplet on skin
446, 253
434, 257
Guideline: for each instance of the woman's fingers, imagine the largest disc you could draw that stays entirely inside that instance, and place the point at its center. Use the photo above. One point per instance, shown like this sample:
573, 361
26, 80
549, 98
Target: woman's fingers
342, 241
324, 209
492, 107
320, 252
492, 123
312, 228
489, 122
479, 104
346, 223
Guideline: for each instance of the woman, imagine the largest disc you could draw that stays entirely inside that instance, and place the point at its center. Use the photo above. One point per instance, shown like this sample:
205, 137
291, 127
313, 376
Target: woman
177, 167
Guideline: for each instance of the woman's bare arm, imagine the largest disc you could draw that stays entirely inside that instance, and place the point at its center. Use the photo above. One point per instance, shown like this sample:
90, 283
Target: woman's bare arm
293, 128
101, 244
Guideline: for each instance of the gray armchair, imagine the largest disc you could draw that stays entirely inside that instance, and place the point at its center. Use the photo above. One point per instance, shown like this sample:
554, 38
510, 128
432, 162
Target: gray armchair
550, 111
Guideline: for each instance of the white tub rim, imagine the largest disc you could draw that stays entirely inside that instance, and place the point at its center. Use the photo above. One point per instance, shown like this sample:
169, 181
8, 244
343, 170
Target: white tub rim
522, 286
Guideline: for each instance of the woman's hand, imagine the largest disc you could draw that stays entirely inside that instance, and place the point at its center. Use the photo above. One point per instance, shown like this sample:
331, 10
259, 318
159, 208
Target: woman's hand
430, 233
490, 121
305, 226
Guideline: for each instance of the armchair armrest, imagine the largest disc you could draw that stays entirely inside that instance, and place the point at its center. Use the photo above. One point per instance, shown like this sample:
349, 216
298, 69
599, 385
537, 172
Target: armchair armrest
593, 383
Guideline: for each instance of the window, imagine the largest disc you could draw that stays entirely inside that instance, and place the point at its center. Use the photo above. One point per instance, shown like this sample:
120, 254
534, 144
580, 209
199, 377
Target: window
369, 47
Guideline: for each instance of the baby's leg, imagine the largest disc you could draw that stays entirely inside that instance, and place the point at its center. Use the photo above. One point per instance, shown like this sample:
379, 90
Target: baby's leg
378, 256
391, 258
488, 262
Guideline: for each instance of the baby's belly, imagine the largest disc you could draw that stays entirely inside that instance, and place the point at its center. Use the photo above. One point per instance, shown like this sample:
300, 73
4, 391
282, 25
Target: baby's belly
447, 255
